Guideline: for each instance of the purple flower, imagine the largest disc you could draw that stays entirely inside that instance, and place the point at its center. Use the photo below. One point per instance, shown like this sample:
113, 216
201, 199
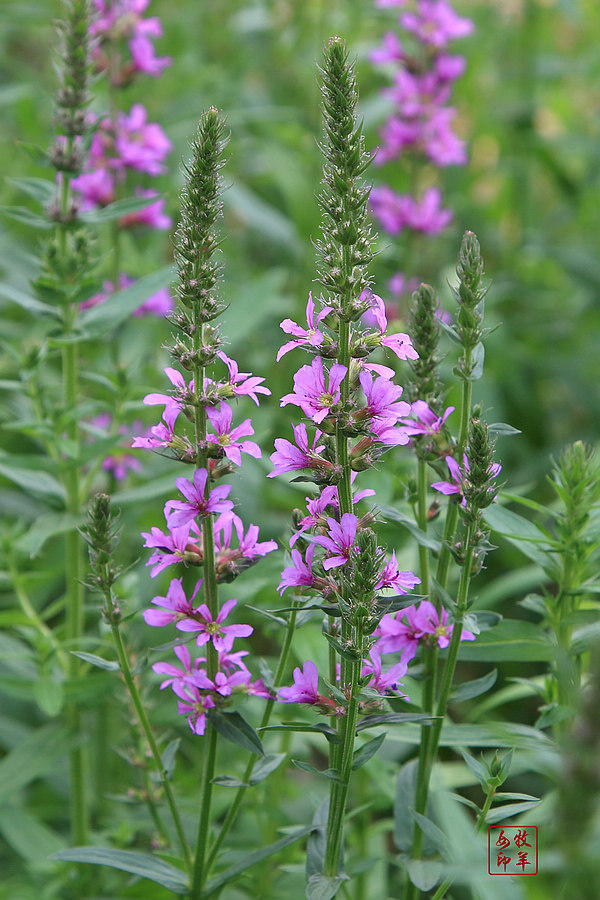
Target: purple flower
160, 435
398, 343
140, 144
243, 383
311, 392
300, 573
316, 507
435, 23
382, 400
97, 188
249, 548
173, 405
171, 548
311, 337
193, 704
288, 457
391, 577
152, 216
422, 622
427, 421
174, 607
159, 304
383, 681
227, 438
340, 541
209, 629
305, 688
177, 675
460, 478
196, 503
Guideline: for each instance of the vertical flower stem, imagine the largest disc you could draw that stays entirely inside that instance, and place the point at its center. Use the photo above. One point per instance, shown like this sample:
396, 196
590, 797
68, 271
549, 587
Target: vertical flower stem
144, 721
241, 791
339, 793
444, 694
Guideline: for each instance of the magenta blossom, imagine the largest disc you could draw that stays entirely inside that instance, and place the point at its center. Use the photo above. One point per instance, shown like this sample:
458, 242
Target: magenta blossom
435, 23
173, 405
422, 623
382, 400
316, 507
152, 216
460, 478
300, 573
228, 438
140, 144
173, 547
193, 704
289, 457
174, 607
426, 420
159, 304
383, 682
311, 392
161, 435
340, 541
243, 383
302, 337
398, 343
391, 577
305, 688
196, 503
177, 675
209, 629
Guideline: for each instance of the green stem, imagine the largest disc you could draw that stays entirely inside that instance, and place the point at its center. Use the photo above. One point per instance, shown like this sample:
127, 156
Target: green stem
339, 793
422, 523
444, 694
36, 621
447, 884
200, 870
147, 729
241, 791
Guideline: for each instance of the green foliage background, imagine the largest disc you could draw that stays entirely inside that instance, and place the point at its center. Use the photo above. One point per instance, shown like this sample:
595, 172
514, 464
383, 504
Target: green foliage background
528, 109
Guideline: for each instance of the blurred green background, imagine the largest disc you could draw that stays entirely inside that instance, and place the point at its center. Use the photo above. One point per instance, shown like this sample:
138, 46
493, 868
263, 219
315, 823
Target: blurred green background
529, 111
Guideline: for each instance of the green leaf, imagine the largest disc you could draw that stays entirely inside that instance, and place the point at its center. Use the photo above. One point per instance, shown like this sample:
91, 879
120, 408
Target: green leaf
230, 781
513, 640
106, 317
392, 719
404, 800
263, 767
435, 834
26, 217
341, 651
117, 210
253, 858
141, 864
30, 304
502, 429
168, 757
364, 753
33, 758
44, 528
99, 661
233, 727
329, 732
322, 887
49, 695
585, 637
31, 480
425, 540
330, 774
29, 837
522, 533
424, 873
508, 810
474, 688
40, 189
477, 768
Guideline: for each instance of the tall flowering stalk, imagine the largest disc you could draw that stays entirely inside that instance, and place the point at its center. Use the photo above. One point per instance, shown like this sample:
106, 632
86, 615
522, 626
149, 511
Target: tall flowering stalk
202, 528
355, 413
420, 128
63, 279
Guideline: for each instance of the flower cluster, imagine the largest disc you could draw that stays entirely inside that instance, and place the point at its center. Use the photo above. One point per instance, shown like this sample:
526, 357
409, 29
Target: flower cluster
195, 690
197, 428
122, 22
422, 119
